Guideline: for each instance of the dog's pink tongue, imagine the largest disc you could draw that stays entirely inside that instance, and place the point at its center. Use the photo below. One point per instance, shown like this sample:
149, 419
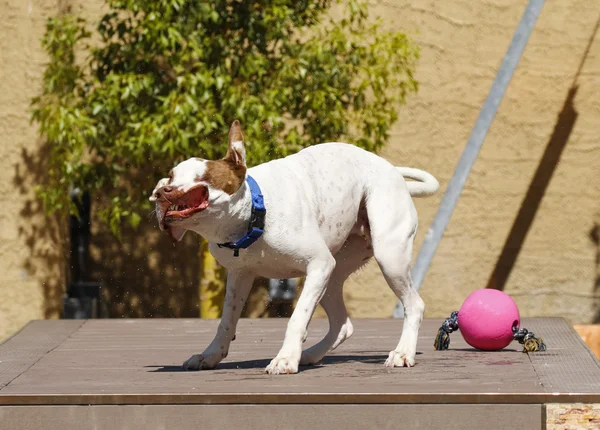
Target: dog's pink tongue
195, 197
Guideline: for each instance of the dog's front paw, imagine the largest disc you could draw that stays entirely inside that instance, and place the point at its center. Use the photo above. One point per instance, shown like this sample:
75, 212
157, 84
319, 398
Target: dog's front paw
282, 365
400, 359
201, 362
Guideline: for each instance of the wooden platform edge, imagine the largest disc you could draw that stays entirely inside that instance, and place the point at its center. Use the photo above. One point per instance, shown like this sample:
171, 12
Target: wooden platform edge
268, 417
294, 398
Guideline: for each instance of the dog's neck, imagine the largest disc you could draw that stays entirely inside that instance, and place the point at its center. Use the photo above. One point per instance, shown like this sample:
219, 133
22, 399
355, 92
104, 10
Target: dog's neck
230, 225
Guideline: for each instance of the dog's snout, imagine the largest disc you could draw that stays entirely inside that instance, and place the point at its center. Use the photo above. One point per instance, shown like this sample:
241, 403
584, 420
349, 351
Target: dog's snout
165, 192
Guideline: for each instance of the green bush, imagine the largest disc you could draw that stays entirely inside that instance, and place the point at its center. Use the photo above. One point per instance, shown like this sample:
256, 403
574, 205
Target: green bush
160, 81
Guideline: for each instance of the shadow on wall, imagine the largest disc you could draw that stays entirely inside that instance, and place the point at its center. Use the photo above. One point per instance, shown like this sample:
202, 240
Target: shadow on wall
145, 275
43, 235
142, 276
535, 193
541, 179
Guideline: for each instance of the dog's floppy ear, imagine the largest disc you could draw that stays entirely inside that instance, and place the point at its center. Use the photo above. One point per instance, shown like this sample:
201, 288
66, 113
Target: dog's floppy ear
236, 153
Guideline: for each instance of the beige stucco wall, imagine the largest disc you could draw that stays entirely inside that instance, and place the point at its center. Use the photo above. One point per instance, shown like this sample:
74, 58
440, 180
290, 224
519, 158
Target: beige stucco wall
462, 45
21, 289
32, 264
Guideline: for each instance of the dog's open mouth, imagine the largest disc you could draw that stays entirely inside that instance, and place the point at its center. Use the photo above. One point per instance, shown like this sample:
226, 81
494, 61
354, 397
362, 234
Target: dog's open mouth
194, 201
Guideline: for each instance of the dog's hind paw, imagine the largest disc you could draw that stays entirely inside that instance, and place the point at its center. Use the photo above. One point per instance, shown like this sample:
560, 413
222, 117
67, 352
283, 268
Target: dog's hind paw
310, 358
400, 359
282, 365
199, 362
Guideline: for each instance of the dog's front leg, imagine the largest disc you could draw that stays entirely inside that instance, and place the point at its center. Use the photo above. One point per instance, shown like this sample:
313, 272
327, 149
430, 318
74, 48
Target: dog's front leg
239, 284
317, 276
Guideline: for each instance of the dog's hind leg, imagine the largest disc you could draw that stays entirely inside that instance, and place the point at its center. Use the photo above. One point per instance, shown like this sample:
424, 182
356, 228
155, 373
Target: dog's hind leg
393, 221
355, 253
340, 327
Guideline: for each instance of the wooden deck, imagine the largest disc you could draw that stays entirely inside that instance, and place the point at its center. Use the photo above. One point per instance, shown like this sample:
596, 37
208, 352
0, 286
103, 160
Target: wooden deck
128, 372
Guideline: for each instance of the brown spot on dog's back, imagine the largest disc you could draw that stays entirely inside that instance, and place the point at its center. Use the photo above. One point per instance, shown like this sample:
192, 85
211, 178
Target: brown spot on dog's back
225, 175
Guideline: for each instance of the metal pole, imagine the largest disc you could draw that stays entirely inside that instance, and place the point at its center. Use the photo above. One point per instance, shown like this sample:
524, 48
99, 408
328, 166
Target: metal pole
478, 134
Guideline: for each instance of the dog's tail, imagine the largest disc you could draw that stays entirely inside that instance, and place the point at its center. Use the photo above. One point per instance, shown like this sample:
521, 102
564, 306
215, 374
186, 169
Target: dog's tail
427, 185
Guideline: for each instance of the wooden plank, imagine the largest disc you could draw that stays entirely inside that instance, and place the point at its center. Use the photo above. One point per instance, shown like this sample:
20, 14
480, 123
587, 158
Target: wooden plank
34, 341
139, 362
267, 417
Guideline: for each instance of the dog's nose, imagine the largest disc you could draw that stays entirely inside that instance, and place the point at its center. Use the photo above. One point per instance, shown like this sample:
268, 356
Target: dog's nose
165, 192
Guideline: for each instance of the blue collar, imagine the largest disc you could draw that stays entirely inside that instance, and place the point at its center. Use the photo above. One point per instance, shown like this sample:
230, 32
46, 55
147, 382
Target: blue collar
257, 220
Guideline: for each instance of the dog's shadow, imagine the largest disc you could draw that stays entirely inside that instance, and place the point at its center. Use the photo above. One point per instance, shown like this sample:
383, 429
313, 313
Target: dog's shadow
262, 363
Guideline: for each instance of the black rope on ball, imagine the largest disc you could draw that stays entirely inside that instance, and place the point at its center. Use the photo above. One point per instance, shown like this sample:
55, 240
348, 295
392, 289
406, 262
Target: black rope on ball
530, 342
442, 340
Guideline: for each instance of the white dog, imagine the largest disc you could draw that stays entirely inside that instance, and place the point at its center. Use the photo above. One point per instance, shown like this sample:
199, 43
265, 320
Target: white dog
323, 213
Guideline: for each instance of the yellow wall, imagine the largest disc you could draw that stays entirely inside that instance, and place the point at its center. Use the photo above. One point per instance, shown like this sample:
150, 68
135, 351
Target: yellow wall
462, 44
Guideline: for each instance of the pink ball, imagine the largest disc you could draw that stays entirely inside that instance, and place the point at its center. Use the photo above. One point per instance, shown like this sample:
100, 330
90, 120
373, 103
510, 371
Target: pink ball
486, 319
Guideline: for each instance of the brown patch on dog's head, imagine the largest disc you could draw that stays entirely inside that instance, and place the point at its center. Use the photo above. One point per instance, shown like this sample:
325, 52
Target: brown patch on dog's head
229, 173
224, 175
